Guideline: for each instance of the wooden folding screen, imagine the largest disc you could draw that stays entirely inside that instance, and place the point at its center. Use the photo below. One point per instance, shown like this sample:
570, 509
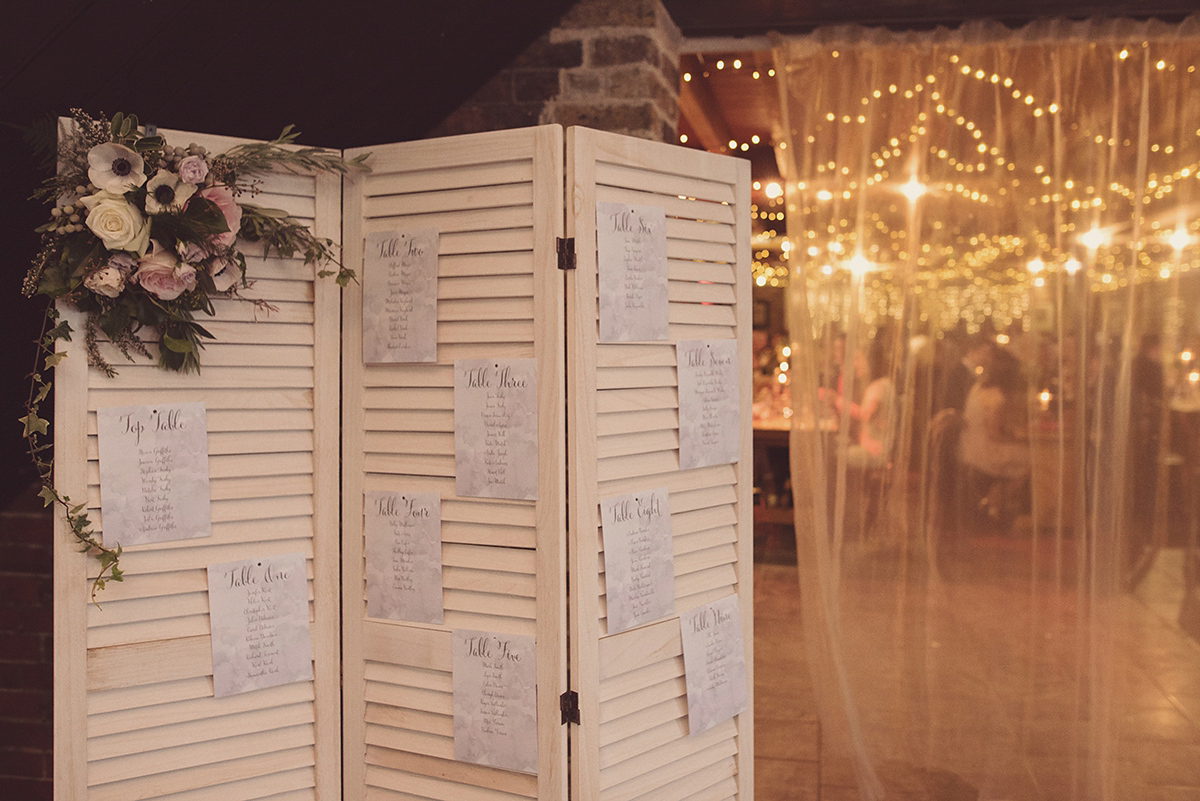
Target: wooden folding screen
135, 715
633, 740
496, 201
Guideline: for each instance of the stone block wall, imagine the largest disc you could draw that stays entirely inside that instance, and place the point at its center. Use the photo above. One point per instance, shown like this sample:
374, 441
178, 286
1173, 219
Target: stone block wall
607, 64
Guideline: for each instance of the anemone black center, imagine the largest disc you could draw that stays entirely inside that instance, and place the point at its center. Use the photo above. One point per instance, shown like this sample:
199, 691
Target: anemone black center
121, 167
165, 195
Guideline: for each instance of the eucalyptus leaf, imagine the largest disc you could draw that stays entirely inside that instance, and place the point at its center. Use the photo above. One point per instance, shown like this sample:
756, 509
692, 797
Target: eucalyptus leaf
178, 345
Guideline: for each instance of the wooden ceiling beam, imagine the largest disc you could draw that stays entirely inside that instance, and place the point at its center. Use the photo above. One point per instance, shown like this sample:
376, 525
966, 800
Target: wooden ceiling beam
699, 107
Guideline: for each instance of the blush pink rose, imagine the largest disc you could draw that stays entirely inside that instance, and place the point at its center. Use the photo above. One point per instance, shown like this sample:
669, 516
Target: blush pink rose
162, 274
223, 197
193, 170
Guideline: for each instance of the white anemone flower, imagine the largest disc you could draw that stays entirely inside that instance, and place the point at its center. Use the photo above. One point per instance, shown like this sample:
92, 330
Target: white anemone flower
115, 168
167, 193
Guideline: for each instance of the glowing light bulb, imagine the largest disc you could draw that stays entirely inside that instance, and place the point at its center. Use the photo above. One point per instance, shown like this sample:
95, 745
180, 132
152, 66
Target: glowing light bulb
913, 189
773, 190
786, 350
1094, 238
1186, 356
859, 266
1072, 265
1036, 265
1179, 238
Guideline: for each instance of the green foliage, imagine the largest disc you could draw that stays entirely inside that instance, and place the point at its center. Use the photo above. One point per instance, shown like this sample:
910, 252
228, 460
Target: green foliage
74, 267
37, 431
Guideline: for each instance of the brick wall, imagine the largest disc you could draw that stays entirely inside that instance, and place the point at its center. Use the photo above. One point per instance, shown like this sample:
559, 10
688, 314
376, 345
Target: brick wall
26, 651
607, 64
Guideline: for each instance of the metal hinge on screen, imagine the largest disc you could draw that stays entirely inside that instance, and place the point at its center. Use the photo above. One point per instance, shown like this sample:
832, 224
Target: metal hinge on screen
568, 703
566, 253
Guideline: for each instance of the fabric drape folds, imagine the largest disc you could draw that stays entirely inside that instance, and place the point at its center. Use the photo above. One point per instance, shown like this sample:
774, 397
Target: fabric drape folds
1005, 225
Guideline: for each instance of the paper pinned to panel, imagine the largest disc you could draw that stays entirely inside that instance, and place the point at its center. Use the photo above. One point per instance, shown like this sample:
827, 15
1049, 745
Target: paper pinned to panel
154, 473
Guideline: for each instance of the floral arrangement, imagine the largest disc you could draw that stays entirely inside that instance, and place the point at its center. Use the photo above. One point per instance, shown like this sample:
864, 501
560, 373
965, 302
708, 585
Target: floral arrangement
142, 237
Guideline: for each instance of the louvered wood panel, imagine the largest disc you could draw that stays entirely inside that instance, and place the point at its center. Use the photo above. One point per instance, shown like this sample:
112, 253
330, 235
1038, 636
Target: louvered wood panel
633, 741
135, 714
496, 201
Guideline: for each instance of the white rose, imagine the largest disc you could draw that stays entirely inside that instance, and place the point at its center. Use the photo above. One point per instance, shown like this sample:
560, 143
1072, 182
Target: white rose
107, 281
118, 223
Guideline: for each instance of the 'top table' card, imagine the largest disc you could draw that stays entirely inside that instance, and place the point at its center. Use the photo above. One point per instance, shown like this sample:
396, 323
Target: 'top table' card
153, 473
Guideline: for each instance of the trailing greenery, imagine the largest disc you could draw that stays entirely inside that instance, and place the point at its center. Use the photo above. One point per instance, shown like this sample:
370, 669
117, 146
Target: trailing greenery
142, 237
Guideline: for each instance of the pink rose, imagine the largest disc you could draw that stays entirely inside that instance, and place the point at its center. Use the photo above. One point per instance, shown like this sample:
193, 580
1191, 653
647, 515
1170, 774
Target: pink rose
161, 274
223, 197
193, 170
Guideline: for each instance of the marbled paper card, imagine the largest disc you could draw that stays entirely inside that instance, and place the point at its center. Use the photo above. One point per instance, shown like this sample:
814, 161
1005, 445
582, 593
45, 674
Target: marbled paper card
400, 296
639, 560
259, 616
714, 663
495, 428
403, 533
709, 417
631, 251
153, 473
495, 700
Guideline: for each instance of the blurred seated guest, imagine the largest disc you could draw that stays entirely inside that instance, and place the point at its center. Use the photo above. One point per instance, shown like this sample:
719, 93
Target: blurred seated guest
1145, 426
876, 414
993, 442
963, 375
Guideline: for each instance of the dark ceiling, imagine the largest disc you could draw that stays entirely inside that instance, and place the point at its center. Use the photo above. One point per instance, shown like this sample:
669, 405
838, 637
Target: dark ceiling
719, 18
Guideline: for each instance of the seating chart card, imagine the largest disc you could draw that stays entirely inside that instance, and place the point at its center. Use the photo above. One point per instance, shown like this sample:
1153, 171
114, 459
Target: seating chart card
714, 663
404, 555
639, 561
259, 616
400, 296
495, 700
153, 473
709, 425
631, 250
495, 428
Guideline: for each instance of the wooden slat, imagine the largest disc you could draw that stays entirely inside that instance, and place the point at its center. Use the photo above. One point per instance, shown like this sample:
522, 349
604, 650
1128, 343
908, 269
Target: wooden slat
634, 741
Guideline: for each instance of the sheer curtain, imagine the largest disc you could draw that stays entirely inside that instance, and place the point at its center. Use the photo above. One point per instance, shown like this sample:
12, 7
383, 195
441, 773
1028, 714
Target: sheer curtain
995, 274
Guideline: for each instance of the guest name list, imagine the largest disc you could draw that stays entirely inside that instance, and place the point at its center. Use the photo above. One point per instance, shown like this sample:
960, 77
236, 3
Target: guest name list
400, 296
631, 247
714, 663
495, 699
154, 473
495, 428
639, 562
404, 556
259, 615
709, 422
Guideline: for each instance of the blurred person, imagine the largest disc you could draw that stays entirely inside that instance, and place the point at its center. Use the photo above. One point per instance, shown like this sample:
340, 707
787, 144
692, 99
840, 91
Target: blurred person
875, 416
992, 442
1145, 434
963, 375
